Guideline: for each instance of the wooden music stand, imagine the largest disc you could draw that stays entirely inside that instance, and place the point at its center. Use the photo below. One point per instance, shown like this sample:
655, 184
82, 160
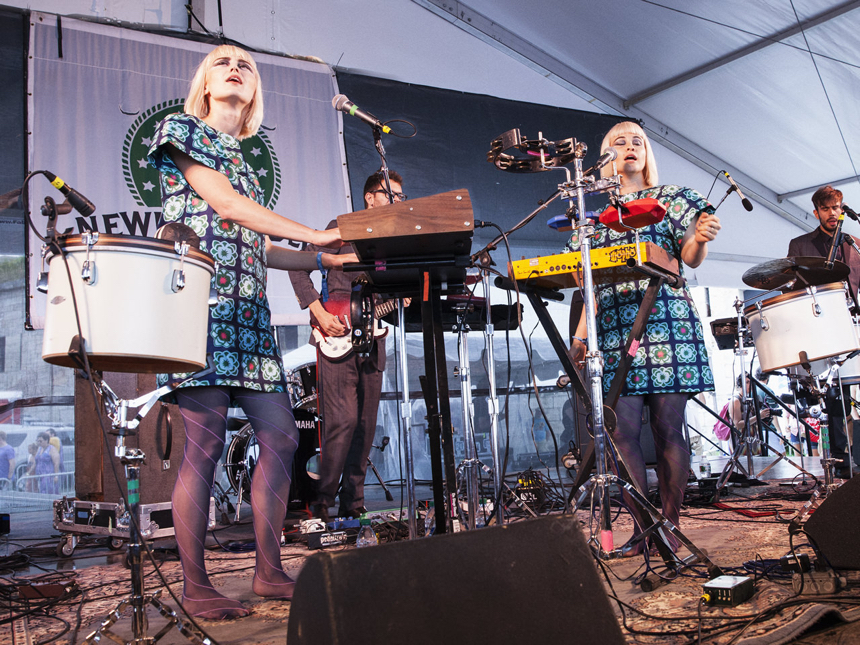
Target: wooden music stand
421, 248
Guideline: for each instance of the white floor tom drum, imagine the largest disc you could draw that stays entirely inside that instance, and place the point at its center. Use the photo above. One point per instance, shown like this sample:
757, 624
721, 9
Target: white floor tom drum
143, 307
816, 321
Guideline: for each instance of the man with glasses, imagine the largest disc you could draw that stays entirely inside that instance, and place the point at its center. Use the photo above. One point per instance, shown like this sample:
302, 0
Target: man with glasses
349, 388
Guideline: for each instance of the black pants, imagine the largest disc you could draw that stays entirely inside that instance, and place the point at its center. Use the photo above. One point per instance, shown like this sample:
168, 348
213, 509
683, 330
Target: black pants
350, 391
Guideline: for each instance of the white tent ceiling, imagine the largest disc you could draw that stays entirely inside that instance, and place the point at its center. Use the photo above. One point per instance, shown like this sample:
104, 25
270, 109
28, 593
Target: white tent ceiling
719, 85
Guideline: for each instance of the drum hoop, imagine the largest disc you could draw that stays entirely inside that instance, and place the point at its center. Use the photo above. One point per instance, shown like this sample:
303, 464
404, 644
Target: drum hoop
299, 368
134, 244
792, 295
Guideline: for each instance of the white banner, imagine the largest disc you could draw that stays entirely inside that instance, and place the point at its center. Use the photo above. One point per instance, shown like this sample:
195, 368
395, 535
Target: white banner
95, 95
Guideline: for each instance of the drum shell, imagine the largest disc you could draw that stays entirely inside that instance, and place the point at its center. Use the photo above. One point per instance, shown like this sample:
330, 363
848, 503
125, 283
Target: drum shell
131, 318
849, 371
793, 328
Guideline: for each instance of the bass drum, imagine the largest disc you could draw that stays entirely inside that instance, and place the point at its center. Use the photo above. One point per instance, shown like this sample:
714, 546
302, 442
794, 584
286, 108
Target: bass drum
244, 451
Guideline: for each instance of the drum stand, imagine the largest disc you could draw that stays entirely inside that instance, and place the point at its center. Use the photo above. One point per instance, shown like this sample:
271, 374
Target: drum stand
132, 458
748, 439
469, 466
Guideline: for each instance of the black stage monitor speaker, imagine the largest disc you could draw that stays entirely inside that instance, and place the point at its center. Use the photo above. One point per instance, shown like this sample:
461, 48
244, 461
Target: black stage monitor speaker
528, 582
833, 526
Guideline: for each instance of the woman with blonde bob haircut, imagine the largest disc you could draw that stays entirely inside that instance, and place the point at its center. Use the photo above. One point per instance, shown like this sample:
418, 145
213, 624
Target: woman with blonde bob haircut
207, 185
671, 362
649, 173
197, 102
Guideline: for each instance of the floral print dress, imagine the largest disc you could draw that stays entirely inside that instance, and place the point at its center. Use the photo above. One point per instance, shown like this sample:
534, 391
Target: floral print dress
672, 357
240, 338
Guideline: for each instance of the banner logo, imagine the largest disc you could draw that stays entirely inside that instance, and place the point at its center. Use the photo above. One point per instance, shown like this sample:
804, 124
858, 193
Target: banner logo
142, 179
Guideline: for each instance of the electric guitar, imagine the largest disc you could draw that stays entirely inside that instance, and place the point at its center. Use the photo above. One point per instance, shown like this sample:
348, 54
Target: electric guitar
362, 328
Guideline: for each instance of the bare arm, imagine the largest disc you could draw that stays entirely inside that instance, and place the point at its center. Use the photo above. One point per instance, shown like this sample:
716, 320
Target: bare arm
55, 458
219, 193
694, 246
278, 257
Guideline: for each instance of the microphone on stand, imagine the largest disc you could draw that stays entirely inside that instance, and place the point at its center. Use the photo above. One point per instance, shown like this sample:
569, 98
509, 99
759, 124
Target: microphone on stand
610, 155
343, 104
835, 243
850, 213
79, 202
747, 203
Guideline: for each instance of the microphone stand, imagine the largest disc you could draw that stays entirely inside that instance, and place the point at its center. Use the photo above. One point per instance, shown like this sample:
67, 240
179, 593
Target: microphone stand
403, 362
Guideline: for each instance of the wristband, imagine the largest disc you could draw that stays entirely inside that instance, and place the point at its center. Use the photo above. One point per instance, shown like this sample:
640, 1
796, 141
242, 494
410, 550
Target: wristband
580, 339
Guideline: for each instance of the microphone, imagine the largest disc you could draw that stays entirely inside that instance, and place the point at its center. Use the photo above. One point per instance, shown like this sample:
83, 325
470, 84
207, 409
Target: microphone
747, 203
610, 155
78, 201
850, 213
343, 104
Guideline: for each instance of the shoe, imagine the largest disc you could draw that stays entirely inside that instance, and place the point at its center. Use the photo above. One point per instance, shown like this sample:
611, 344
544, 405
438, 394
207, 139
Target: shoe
320, 511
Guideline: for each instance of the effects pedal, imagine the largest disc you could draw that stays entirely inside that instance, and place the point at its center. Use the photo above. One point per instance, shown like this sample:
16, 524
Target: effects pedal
728, 591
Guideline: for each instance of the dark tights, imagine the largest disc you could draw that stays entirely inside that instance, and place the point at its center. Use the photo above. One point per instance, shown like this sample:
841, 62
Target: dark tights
204, 410
673, 456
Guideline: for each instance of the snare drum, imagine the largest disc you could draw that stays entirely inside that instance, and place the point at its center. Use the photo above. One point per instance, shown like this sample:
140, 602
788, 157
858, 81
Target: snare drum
302, 387
135, 315
817, 323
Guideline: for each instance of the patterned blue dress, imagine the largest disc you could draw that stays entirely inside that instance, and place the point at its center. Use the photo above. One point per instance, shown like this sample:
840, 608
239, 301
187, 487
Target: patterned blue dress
240, 337
672, 357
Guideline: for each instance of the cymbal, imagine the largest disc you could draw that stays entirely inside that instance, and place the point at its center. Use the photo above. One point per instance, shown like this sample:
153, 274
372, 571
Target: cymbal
808, 270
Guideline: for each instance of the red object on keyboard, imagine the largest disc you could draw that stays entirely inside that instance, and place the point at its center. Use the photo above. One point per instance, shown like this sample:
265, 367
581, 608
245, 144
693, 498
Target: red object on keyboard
637, 214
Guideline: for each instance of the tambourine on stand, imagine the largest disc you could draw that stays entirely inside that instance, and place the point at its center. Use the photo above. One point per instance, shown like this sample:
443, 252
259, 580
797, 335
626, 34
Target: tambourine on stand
513, 153
126, 304
808, 332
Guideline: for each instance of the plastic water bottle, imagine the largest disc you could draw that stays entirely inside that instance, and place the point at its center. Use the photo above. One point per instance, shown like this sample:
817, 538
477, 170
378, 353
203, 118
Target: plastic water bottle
704, 468
483, 512
430, 521
366, 536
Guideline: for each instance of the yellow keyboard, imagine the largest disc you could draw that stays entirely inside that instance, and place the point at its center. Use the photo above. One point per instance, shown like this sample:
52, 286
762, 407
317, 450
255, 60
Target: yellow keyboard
608, 265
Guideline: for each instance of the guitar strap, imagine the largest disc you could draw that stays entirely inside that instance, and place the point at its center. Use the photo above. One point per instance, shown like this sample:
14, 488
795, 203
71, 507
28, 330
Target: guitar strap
324, 272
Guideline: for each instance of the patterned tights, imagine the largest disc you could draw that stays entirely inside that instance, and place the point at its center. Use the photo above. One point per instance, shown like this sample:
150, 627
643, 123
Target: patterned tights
204, 410
673, 456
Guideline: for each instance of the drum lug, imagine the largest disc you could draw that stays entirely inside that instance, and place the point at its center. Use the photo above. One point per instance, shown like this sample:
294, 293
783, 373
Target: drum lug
762, 319
816, 308
88, 271
88, 268
213, 296
178, 282
42, 284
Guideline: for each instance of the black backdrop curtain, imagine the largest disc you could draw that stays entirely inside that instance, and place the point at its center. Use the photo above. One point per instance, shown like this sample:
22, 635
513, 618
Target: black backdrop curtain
13, 55
450, 150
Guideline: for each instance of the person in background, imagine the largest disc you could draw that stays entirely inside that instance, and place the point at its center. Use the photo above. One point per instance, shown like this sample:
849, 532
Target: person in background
7, 462
47, 465
349, 388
